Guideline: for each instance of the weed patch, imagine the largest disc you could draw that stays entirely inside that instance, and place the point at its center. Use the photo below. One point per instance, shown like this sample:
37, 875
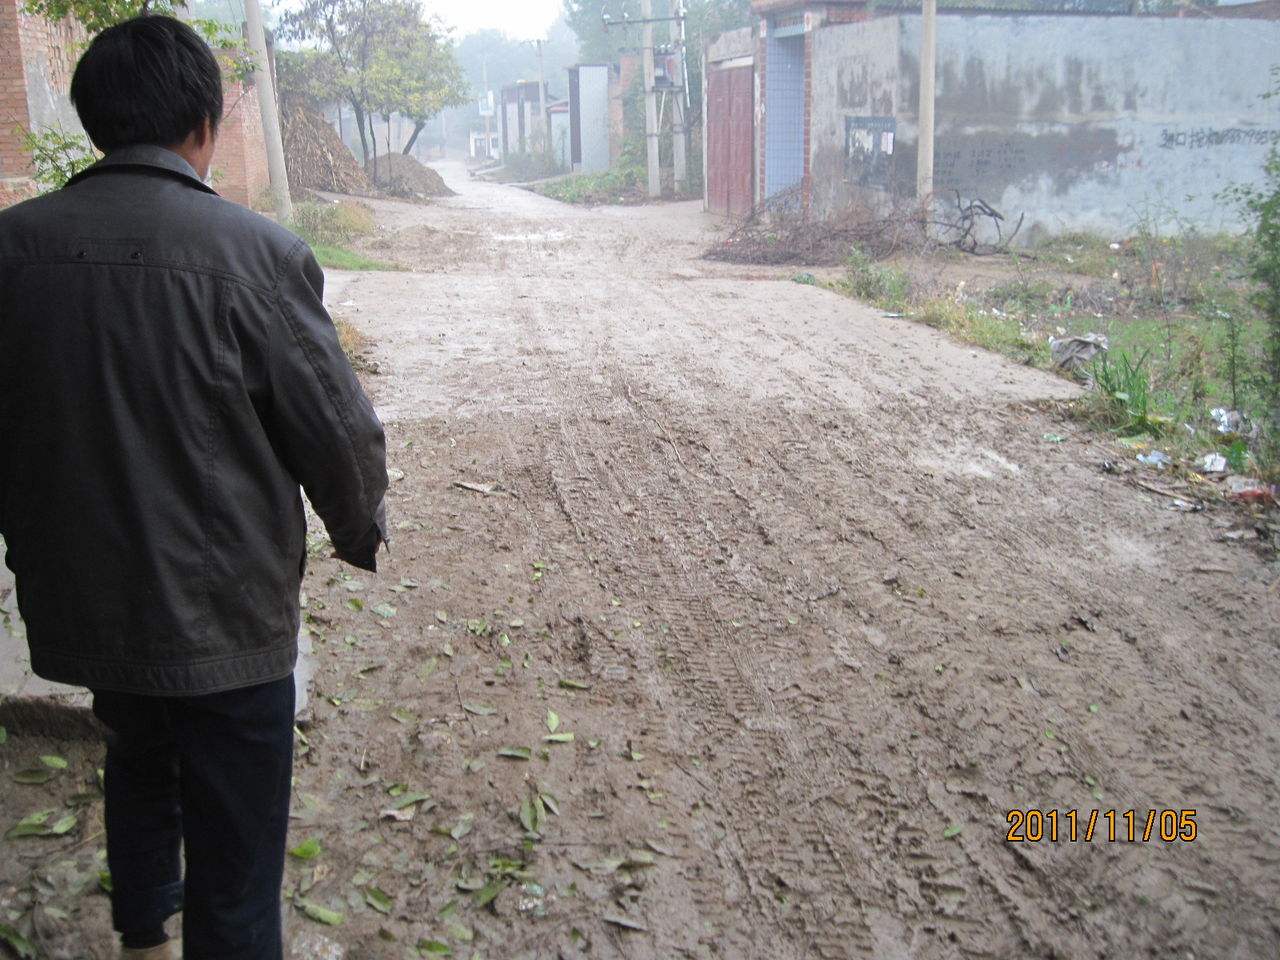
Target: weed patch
625, 184
340, 258
332, 224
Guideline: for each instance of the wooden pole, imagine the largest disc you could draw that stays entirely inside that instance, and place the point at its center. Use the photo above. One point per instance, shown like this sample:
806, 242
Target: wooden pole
651, 103
270, 116
679, 130
928, 82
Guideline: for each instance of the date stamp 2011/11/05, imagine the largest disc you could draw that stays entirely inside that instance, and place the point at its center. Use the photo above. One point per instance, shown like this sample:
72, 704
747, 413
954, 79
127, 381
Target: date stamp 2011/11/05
1105, 826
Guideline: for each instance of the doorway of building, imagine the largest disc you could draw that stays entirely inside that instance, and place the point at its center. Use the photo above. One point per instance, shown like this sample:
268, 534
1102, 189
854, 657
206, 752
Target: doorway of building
784, 111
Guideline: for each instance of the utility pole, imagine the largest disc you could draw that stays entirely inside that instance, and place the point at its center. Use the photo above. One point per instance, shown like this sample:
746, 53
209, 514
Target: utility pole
679, 133
651, 102
487, 109
270, 116
543, 124
928, 80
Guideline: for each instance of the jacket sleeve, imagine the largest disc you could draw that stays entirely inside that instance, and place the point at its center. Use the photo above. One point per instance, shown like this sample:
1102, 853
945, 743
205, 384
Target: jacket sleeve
321, 423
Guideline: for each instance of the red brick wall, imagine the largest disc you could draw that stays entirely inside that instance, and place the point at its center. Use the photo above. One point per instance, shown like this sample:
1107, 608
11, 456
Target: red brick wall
240, 159
15, 190
33, 51
13, 93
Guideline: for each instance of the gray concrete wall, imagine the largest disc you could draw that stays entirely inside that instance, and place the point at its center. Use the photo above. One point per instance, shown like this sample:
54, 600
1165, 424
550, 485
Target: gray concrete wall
732, 45
855, 77
593, 91
1083, 123
560, 145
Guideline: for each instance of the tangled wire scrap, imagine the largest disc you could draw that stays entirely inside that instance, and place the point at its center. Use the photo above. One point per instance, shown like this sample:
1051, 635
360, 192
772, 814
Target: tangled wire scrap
783, 233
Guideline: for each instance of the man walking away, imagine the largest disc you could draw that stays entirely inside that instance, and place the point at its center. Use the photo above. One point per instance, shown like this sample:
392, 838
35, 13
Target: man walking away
168, 379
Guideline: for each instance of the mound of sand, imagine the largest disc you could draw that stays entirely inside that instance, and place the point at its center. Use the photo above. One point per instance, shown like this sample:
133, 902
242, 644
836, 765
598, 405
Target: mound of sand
403, 176
315, 156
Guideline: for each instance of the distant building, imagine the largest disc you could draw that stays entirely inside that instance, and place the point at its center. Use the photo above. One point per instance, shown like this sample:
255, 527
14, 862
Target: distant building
589, 127
1075, 113
518, 108
558, 114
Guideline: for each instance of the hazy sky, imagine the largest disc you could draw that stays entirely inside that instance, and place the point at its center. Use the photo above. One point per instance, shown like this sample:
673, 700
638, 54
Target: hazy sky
522, 19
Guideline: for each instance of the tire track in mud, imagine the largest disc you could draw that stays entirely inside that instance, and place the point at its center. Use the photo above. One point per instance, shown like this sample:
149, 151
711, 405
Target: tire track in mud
848, 909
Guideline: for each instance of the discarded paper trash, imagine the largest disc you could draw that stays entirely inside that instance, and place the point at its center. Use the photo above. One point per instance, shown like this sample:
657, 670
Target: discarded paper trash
1072, 353
1155, 459
1214, 463
1233, 423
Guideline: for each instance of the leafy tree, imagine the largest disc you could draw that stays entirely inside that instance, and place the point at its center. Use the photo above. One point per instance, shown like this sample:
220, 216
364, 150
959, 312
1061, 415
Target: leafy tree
1261, 205
1264, 268
359, 35
431, 80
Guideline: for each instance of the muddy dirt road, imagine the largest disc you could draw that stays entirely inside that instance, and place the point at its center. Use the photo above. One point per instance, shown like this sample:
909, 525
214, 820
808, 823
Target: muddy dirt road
817, 602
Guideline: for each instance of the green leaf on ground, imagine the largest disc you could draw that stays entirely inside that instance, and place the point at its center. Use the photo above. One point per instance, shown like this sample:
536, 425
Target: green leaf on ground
17, 942
442, 616
574, 685
4, 735
558, 738
384, 610
354, 603
307, 850
319, 914
463, 827
434, 948
951, 831
487, 894
378, 899
54, 762
32, 825
64, 825
479, 709
33, 776
411, 799
529, 815
104, 881
553, 721
458, 932
516, 753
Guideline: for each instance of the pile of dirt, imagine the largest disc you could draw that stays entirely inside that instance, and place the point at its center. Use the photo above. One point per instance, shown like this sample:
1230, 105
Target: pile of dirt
403, 176
315, 156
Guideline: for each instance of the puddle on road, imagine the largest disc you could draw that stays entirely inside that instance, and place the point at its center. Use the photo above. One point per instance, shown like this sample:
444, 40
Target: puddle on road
546, 236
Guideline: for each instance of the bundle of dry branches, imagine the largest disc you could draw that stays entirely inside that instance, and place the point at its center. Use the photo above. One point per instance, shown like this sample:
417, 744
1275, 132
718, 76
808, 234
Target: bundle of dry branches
782, 233
314, 154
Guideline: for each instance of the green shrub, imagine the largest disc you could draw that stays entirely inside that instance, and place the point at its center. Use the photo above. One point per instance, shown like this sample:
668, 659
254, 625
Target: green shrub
57, 156
886, 287
625, 183
1125, 390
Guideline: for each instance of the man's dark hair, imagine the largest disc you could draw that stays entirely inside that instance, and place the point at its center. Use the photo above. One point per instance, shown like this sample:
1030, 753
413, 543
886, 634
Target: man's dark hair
149, 80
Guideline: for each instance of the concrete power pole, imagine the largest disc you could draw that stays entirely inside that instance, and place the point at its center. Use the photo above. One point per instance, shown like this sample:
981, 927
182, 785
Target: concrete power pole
544, 124
651, 102
928, 81
679, 132
270, 116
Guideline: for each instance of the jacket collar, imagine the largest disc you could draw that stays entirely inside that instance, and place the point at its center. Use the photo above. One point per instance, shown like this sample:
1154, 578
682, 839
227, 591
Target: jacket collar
145, 155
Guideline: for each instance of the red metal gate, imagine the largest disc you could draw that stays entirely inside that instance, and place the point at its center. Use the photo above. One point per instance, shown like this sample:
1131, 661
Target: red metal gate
731, 140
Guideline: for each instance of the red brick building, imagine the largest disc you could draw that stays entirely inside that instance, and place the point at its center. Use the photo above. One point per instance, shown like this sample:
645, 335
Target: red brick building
37, 59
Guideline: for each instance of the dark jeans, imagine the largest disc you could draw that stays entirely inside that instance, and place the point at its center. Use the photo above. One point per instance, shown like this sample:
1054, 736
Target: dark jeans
212, 773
